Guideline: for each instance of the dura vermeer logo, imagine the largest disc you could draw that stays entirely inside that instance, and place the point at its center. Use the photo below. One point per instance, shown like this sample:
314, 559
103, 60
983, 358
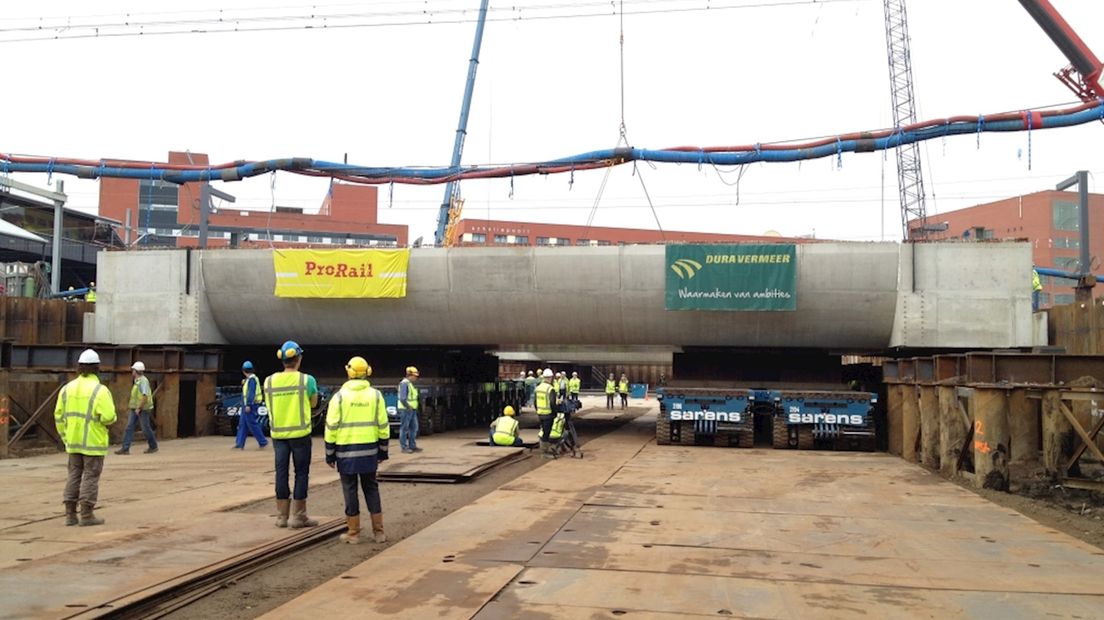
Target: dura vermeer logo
686, 268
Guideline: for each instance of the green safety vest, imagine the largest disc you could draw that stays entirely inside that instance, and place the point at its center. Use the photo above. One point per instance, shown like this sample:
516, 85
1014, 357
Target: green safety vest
83, 412
556, 386
611, 387
136, 394
557, 428
258, 396
90, 297
543, 399
288, 405
573, 384
357, 415
505, 430
624, 387
411, 396
1036, 282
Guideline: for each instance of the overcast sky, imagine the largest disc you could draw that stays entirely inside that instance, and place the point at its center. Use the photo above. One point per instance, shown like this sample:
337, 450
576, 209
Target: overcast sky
549, 88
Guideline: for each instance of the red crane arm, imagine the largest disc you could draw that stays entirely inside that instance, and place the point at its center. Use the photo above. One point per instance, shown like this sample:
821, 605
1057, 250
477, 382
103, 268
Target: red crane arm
1083, 74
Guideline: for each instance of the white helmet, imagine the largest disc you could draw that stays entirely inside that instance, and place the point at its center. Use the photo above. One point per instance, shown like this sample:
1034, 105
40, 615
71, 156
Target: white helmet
547, 373
139, 366
88, 356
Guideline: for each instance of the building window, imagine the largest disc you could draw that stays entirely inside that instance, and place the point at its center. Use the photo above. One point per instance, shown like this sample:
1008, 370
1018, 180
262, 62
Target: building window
1067, 263
1063, 300
500, 239
1067, 243
1064, 214
542, 240
1044, 299
315, 239
603, 242
582, 242
157, 193
522, 240
479, 238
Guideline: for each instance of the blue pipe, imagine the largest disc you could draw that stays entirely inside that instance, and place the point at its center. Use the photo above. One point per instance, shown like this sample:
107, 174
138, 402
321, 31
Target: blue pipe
1066, 275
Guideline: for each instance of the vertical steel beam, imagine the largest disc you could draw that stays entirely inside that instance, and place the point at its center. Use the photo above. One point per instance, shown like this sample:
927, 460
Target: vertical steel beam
55, 260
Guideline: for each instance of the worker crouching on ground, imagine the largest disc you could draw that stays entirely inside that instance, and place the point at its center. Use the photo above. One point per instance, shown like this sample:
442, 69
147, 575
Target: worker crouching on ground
141, 408
357, 431
248, 422
545, 400
84, 411
504, 430
290, 396
408, 412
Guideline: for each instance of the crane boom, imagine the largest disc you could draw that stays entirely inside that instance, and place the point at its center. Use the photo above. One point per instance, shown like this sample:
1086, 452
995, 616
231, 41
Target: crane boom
1082, 76
910, 177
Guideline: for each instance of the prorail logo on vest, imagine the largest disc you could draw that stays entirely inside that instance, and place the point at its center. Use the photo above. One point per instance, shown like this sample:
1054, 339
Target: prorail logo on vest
340, 270
827, 418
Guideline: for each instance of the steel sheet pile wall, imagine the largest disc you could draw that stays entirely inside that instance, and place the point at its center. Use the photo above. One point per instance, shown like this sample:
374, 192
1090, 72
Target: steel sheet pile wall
999, 418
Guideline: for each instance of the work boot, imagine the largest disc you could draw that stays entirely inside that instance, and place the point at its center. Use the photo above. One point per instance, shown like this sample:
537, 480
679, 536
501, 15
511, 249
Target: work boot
299, 516
377, 528
353, 535
71, 513
149, 451
283, 507
123, 451
87, 517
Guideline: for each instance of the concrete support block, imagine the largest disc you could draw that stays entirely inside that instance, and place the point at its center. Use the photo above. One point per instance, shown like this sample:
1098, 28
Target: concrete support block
1024, 425
894, 430
910, 423
205, 393
1058, 436
929, 426
953, 426
991, 438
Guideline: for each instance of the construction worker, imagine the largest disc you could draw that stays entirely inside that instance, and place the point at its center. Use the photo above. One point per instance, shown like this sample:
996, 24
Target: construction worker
141, 408
545, 400
408, 412
556, 385
563, 385
623, 389
573, 385
84, 411
556, 431
1036, 290
90, 296
611, 389
291, 395
504, 430
248, 422
357, 431
530, 385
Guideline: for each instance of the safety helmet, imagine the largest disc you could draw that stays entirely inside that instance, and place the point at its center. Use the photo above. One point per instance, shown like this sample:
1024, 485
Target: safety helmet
508, 410
248, 365
92, 285
358, 368
574, 374
139, 366
547, 373
412, 370
530, 373
289, 350
88, 356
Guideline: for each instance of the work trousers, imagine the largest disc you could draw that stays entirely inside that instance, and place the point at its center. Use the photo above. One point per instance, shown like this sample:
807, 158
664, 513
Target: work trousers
624, 400
408, 428
517, 440
609, 400
147, 428
83, 483
546, 425
371, 493
249, 424
295, 452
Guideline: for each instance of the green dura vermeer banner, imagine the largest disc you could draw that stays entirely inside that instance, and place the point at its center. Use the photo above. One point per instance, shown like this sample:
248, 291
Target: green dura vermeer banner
753, 276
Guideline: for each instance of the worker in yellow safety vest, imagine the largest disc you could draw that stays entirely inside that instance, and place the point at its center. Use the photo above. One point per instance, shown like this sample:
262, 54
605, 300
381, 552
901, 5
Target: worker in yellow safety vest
90, 296
248, 421
611, 390
84, 411
623, 389
557, 429
573, 385
357, 432
291, 395
545, 398
408, 412
504, 430
1036, 290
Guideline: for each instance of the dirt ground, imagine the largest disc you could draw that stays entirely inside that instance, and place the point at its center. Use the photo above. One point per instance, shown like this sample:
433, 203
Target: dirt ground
407, 508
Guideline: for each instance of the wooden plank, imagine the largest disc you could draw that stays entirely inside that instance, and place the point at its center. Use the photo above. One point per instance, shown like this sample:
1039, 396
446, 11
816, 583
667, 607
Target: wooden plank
1085, 437
1024, 425
1057, 435
894, 430
910, 422
929, 427
37, 413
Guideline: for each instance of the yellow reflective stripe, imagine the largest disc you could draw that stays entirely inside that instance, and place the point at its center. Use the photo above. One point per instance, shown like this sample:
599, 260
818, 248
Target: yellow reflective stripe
88, 448
88, 416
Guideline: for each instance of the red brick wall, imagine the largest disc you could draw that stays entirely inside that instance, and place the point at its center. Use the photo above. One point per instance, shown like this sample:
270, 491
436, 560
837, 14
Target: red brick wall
599, 233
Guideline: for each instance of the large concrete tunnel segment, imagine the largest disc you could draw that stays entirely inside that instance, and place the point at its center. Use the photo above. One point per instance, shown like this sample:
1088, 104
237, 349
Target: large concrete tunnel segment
850, 296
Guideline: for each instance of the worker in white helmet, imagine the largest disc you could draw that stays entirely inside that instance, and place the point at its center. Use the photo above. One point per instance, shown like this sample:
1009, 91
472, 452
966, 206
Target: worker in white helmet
141, 409
84, 411
545, 400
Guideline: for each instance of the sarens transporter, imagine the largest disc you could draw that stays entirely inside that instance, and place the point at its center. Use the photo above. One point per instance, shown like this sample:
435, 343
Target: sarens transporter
794, 418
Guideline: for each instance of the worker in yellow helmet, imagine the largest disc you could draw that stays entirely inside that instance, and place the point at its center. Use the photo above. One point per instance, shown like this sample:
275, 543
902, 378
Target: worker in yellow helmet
504, 430
290, 396
408, 412
84, 411
357, 431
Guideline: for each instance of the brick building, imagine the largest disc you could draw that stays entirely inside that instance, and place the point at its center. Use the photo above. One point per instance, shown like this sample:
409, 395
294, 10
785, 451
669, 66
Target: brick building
1049, 219
497, 232
168, 214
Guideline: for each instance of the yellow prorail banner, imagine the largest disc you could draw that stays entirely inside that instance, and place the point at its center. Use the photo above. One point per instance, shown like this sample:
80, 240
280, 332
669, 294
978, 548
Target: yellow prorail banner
341, 274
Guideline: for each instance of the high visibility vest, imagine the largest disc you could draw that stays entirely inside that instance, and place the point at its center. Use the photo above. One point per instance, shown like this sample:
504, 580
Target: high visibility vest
544, 399
83, 412
611, 387
411, 395
288, 405
136, 394
573, 385
90, 297
505, 430
556, 386
563, 386
258, 396
624, 387
357, 415
557, 428
1036, 282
